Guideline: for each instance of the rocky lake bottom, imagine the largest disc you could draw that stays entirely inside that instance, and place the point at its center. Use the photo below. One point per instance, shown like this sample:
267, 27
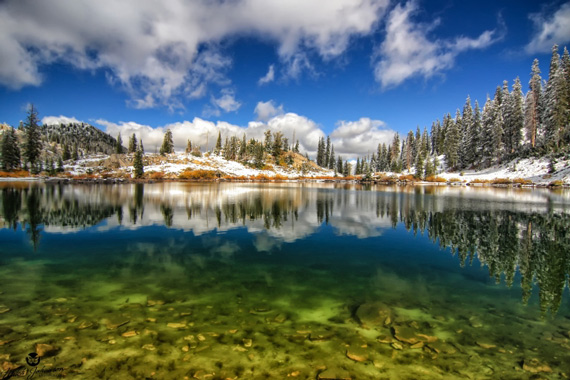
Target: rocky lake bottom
118, 299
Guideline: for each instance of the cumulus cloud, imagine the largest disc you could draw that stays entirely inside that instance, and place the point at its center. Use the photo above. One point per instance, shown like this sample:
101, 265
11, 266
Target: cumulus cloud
407, 50
361, 137
351, 139
226, 102
267, 110
162, 53
269, 77
550, 30
48, 120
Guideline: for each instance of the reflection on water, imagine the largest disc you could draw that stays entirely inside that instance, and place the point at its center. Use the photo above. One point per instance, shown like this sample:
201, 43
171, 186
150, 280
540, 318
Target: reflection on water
276, 280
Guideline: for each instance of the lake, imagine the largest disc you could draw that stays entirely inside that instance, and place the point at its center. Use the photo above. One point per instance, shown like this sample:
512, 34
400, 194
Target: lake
283, 280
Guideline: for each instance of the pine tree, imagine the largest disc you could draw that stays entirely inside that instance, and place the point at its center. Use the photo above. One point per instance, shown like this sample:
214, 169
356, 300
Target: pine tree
242, 148
496, 135
138, 164
395, 163
339, 165
133, 144
66, 155
533, 107
346, 169
555, 111
188, 147
218, 147
321, 152
277, 144
119, 146
296, 149
358, 169
60, 164
565, 67
75, 154
268, 141
408, 149
467, 148
167, 146
10, 150
332, 159
486, 136
514, 119
141, 146
452, 140
476, 135
327, 153
32, 137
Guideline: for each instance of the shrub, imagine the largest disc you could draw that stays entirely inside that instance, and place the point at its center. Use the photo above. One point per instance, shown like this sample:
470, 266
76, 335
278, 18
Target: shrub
478, 180
433, 178
15, 174
454, 180
407, 177
198, 174
522, 181
501, 181
556, 183
156, 175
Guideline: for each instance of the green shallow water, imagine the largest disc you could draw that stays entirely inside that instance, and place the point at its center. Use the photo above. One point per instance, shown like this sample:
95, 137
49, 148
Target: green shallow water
271, 281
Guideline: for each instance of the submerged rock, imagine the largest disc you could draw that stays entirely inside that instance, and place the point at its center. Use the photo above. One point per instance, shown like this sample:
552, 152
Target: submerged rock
43, 349
177, 325
486, 345
535, 366
149, 347
334, 374
320, 336
129, 334
373, 314
358, 354
409, 334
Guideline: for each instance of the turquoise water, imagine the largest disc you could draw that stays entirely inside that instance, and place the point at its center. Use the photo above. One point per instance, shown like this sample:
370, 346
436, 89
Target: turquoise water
264, 281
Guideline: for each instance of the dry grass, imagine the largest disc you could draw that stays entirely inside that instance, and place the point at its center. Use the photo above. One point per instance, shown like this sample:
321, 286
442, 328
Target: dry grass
478, 180
198, 174
556, 183
387, 178
522, 181
501, 181
84, 176
156, 175
433, 178
454, 180
407, 177
15, 174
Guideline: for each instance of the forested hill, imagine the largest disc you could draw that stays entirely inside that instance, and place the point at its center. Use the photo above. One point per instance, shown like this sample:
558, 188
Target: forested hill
84, 137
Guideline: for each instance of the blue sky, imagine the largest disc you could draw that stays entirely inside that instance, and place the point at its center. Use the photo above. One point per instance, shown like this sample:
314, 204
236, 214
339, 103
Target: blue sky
355, 70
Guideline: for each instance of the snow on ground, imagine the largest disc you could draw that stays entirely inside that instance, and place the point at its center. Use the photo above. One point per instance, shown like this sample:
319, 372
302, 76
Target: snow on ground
534, 169
179, 162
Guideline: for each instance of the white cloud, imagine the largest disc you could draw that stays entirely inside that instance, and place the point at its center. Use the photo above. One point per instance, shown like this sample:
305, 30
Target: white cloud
226, 103
550, 30
267, 110
47, 120
359, 138
162, 53
407, 50
269, 77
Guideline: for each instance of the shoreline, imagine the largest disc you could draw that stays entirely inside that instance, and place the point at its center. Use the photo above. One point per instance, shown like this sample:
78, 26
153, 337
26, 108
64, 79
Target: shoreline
390, 182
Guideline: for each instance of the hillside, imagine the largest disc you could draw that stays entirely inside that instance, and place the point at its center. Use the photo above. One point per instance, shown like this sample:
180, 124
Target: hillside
87, 138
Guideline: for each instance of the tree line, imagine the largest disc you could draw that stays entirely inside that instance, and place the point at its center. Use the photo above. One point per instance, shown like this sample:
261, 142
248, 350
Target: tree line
510, 125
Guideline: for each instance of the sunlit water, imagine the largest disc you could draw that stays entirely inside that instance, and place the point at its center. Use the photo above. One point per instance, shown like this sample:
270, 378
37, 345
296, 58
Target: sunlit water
307, 281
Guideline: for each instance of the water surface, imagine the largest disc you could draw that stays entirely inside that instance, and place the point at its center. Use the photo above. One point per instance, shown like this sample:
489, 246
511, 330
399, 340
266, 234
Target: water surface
254, 281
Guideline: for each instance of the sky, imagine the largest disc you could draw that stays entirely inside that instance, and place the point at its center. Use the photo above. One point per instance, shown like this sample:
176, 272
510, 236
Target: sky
355, 70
